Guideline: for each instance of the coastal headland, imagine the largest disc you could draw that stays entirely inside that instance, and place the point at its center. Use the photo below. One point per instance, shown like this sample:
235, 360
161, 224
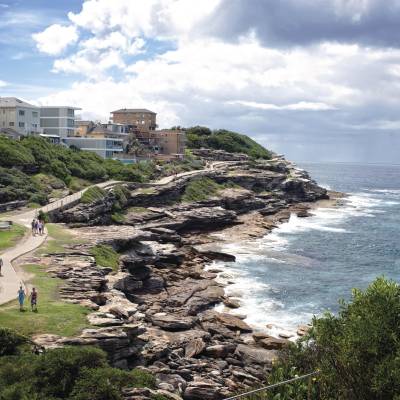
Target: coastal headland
155, 309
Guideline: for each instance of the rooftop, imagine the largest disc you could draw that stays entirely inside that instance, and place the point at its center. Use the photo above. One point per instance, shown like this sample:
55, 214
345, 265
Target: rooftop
14, 102
70, 107
133, 110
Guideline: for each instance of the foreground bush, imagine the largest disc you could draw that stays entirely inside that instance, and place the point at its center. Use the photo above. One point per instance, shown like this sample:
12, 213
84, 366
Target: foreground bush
357, 352
73, 373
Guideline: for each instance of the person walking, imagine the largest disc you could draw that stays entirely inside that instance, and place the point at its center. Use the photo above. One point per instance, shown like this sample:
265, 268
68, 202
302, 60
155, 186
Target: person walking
33, 296
1, 265
36, 226
40, 227
33, 224
21, 298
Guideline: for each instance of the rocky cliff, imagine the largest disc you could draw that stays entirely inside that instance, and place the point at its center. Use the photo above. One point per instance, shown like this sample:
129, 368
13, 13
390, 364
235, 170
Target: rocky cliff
157, 311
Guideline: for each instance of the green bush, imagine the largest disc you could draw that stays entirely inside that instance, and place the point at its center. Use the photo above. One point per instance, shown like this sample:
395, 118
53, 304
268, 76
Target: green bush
93, 194
357, 351
222, 139
70, 373
10, 342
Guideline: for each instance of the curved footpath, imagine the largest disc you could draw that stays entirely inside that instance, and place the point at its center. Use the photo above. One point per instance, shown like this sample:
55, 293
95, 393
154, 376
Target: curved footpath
10, 281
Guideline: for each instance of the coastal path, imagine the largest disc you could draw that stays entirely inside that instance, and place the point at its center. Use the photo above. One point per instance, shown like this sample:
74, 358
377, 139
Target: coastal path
9, 280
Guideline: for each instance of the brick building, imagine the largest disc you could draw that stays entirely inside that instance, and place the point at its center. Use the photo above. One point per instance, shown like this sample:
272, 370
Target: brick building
143, 119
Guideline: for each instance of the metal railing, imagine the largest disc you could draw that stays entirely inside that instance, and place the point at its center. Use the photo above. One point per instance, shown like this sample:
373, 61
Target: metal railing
262, 389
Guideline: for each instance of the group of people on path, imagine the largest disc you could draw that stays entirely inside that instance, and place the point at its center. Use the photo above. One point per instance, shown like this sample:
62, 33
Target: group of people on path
37, 227
33, 296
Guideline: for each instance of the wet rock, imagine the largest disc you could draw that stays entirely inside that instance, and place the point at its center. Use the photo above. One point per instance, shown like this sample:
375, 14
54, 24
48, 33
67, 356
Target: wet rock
231, 303
232, 322
271, 343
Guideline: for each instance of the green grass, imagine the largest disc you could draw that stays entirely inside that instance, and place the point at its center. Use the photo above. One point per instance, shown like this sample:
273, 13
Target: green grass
105, 256
77, 184
200, 189
8, 238
93, 194
53, 316
58, 238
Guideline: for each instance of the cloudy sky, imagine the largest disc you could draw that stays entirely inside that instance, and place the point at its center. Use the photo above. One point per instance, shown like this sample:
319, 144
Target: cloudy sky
317, 80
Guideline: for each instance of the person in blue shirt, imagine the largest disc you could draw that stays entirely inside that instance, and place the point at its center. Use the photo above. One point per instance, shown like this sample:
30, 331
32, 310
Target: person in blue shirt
21, 298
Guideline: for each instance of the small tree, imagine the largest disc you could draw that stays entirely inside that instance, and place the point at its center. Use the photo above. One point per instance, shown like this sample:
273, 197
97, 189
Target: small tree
357, 352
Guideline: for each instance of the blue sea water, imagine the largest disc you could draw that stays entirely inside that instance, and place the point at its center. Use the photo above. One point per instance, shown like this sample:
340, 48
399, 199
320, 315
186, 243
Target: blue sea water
305, 265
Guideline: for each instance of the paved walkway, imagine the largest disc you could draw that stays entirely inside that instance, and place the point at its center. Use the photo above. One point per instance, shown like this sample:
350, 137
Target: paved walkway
10, 281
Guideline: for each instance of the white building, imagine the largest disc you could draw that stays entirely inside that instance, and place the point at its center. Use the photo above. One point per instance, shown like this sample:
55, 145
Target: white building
58, 120
20, 116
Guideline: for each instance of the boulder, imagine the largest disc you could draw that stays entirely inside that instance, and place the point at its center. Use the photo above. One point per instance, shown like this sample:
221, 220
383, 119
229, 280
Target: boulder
271, 343
204, 299
128, 284
250, 354
231, 303
171, 322
232, 322
220, 350
201, 390
194, 347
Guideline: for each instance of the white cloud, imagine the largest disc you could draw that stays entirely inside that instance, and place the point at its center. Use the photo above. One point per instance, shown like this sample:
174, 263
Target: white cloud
55, 39
3, 83
237, 83
300, 106
151, 18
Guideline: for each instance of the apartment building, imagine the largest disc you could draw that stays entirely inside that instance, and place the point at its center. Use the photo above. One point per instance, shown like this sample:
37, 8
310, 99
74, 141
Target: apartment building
169, 142
20, 116
98, 139
58, 120
144, 120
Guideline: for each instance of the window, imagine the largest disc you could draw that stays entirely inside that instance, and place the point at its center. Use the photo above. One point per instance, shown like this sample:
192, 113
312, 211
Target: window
21, 112
35, 114
11, 123
21, 124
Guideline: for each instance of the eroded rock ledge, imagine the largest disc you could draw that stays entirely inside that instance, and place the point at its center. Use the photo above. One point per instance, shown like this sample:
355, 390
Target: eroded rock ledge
157, 311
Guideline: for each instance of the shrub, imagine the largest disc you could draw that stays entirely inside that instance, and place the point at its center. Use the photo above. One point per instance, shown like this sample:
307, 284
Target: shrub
357, 351
10, 342
225, 140
107, 383
93, 194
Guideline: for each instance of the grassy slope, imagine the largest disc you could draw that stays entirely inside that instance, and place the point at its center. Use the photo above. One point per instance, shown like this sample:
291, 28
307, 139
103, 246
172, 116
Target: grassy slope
202, 189
53, 316
105, 256
8, 238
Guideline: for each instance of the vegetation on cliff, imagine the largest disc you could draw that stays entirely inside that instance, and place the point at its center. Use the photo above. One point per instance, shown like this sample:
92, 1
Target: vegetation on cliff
73, 373
203, 188
222, 139
357, 352
22, 161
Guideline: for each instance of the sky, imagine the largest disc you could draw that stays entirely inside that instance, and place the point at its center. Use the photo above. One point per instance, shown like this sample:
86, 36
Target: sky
316, 80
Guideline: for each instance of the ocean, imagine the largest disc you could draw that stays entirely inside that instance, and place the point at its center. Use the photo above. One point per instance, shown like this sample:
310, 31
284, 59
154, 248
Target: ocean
303, 267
